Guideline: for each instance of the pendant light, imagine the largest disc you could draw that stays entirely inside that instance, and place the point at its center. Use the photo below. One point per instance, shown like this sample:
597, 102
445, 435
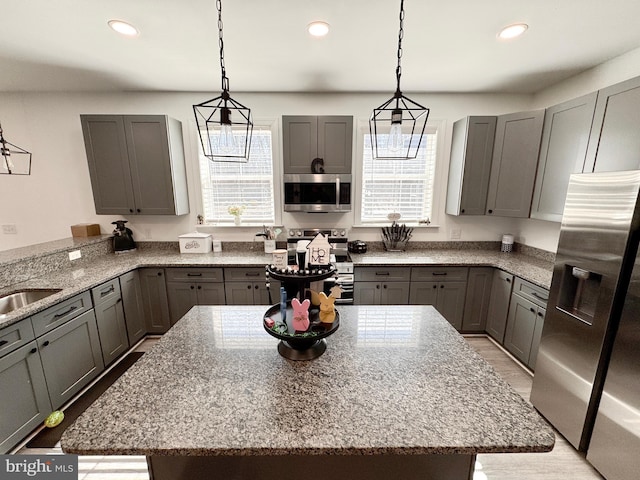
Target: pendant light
224, 125
15, 160
387, 121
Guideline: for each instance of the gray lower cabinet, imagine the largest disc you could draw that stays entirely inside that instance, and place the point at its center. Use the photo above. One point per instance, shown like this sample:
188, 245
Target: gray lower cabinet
614, 142
136, 164
525, 322
154, 300
470, 165
443, 287
133, 306
71, 357
381, 286
562, 152
187, 287
247, 286
476, 305
514, 164
110, 319
24, 401
501, 286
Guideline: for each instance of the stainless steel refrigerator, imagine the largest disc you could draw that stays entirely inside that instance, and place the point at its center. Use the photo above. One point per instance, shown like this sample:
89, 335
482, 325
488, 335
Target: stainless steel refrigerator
596, 254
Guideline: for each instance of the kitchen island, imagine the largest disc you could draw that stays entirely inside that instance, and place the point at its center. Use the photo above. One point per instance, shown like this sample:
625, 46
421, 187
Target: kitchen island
397, 394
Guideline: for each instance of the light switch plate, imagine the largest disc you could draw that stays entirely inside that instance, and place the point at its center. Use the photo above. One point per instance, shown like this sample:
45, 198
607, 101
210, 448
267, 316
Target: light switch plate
9, 229
75, 255
455, 233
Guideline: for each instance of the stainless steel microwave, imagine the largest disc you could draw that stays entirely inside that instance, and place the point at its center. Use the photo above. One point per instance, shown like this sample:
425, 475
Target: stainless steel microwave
322, 192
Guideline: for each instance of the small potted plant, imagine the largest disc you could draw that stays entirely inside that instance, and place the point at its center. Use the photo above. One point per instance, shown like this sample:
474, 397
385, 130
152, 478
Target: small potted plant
236, 211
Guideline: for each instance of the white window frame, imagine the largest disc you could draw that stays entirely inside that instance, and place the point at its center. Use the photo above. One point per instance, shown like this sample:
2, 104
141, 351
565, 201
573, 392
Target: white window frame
433, 126
266, 123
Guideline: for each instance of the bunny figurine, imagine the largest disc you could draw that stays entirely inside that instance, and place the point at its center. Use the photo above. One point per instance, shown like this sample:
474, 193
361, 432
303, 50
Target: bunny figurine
327, 308
300, 315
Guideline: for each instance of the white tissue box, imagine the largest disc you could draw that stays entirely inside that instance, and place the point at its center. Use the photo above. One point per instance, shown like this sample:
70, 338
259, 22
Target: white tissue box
195, 243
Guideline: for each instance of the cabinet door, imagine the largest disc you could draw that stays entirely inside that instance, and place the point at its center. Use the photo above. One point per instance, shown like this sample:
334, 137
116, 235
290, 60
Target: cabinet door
239, 293
24, 401
537, 334
112, 329
106, 146
513, 169
476, 305
614, 142
470, 165
394, 293
366, 293
562, 152
182, 296
71, 357
499, 304
450, 302
521, 324
150, 163
335, 143
210, 293
154, 300
133, 306
423, 293
299, 143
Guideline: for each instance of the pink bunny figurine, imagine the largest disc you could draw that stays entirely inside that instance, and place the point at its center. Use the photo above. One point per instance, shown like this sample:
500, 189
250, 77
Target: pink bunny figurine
300, 315
327, 308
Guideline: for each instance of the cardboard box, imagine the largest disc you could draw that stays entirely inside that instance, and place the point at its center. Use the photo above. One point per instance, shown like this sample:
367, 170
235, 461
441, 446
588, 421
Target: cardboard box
85, 230
195, 242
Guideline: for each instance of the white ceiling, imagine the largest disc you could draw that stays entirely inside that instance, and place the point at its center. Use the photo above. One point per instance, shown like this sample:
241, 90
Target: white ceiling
449, 45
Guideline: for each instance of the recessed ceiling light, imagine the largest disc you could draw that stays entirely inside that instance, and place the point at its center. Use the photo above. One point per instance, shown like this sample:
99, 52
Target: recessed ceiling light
124, 28
513, 31
318, 29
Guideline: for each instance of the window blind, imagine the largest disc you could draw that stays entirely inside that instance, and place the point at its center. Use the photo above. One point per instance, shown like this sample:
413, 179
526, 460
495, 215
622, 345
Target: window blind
249, 185
398, 186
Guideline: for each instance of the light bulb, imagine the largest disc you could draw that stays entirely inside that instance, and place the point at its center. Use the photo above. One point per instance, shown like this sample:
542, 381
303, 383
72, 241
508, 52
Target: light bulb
395, 143
228, 142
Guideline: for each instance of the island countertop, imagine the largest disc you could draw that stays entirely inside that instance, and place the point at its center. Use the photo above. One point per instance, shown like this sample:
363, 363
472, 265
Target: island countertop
394, 380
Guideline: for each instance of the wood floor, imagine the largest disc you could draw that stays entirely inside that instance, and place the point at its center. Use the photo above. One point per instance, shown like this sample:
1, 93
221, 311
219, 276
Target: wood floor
563, 463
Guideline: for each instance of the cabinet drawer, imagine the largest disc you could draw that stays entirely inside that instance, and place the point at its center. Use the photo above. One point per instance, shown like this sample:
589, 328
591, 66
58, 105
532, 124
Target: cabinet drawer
534, 293
15, 336
439, 274
106, 291
194, 274
377, 274
63, 312
244, 274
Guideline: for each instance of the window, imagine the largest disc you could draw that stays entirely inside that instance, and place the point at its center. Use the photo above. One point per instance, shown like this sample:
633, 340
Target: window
248, 185
399, 186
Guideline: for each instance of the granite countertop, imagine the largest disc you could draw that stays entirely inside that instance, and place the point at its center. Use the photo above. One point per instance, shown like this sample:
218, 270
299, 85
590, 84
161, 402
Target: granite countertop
83, 274
393, 380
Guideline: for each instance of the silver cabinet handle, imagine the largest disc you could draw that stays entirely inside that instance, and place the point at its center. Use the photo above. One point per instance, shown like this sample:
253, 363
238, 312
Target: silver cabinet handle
66, 312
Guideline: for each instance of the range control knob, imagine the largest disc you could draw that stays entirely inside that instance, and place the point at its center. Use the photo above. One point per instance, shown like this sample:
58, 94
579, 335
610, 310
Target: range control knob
334, 233
299, 233
292, 232
343, 233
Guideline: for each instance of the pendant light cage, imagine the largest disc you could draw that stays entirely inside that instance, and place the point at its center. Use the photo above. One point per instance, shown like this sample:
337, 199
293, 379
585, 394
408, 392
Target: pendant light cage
397, 117
13, 159
224, 125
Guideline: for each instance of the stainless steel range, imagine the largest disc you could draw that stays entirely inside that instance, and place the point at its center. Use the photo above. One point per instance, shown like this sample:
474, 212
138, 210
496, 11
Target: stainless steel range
339, 257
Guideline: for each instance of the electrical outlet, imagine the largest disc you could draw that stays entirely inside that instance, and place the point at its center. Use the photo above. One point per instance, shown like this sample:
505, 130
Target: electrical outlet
75, 255
455, 233
9, 229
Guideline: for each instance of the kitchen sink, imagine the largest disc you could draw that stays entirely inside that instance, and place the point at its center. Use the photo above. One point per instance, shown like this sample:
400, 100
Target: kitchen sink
21, 298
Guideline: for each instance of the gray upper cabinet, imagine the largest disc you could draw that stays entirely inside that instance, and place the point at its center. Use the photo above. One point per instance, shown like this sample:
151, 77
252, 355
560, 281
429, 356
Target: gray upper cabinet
614, 143
563, 151
470, 165
136, 164
305, 138
513, 169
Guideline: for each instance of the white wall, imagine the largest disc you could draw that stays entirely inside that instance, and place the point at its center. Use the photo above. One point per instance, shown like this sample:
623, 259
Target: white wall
58, 192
